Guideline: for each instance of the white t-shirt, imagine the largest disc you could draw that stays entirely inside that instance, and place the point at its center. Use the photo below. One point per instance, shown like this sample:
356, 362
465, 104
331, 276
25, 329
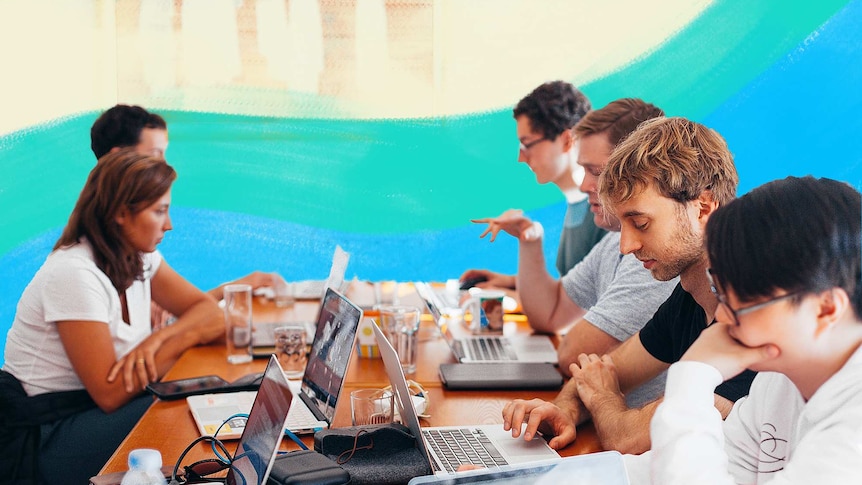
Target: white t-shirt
69, 286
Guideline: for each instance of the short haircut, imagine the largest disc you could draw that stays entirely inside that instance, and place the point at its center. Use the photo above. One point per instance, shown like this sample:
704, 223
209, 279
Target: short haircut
553, 108
795, 234
121, 126
617, 119
680, 158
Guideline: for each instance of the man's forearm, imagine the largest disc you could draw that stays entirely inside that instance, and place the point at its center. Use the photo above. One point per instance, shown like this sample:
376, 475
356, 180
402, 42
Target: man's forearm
569, 401
537, 288
622, 429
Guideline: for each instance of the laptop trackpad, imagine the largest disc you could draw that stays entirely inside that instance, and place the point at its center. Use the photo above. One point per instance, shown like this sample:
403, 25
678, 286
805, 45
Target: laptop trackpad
518, 450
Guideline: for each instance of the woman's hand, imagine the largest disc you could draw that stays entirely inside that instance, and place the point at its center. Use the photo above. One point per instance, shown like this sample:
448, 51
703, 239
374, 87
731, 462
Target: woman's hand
138, 367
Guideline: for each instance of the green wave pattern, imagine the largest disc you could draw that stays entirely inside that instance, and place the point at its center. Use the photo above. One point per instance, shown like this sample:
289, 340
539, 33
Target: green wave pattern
394, 176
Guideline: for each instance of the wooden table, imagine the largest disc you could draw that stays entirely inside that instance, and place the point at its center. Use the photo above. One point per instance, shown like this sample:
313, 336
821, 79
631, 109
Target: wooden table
169, 427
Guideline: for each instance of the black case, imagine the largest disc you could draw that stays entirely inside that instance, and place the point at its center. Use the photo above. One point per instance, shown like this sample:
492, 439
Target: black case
180, 388
385, 454
306, 467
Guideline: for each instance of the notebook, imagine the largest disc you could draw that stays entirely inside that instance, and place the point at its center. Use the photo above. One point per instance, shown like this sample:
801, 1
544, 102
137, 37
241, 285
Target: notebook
606, 468
488, 348
258, 445
500, 375
446, 446
321, 383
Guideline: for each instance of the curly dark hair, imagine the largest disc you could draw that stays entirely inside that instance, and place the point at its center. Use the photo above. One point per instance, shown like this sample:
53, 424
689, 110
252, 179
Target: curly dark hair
553, 108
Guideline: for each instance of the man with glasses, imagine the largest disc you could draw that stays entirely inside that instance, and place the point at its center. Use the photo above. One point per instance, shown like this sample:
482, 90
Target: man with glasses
662, 182
544, 119
786, 268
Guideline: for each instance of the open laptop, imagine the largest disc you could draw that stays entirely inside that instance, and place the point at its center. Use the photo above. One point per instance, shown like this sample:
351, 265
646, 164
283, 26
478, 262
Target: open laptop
314, 289
321, 383
258, 445
606, 468
445, 446
488, 348
262, 334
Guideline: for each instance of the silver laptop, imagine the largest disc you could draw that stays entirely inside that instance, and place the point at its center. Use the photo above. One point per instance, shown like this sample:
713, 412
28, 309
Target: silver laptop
605, 468
314, 289
446, 298
262, 334
321, 383
255, 453
488, 348
447, 447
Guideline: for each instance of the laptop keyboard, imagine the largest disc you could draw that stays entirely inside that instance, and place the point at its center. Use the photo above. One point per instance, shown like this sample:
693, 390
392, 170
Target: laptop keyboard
489, 349
300, 417
455, 447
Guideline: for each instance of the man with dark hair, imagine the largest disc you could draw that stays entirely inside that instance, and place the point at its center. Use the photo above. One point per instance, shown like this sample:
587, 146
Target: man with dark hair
662, 182
129, 126
544, 121
786, 268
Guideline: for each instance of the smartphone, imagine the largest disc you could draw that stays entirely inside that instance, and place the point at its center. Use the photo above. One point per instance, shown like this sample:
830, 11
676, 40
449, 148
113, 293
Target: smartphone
167, 390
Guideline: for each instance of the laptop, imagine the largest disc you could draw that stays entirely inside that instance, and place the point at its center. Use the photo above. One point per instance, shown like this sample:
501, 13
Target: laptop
262, 334
446, 298
258, 445
314, 289
488, 348
606, 468
446, 446
321, 383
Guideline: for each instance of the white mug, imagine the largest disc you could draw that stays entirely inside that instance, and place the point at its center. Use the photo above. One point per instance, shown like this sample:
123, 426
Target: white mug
486, 306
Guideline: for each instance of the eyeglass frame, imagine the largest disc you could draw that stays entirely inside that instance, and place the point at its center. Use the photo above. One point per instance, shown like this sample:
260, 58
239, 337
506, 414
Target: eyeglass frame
735, 313
525, 147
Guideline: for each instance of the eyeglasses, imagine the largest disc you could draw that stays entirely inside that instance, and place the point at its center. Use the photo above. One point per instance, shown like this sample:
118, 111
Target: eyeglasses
525, 147
722, 299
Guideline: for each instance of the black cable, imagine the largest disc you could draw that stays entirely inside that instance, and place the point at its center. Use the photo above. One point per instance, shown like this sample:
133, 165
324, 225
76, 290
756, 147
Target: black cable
211, 439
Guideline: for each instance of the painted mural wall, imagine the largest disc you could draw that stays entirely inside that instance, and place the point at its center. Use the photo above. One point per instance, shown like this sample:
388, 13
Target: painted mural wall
385, 126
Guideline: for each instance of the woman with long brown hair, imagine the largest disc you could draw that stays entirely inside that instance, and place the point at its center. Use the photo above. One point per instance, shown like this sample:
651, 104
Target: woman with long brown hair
81, 344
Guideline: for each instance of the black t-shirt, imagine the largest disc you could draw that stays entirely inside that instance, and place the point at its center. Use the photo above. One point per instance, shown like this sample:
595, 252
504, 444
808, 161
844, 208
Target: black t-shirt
674, 327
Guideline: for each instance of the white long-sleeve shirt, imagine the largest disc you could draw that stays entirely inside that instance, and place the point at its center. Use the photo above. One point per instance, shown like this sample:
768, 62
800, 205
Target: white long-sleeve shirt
772, 436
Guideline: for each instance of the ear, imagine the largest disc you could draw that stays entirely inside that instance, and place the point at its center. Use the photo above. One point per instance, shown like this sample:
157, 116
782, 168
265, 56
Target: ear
706, 205
832, 305
568, 139
122, 216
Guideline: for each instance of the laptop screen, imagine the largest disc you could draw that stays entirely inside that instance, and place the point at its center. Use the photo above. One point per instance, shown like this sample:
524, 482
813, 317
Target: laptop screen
264, 428
330, 352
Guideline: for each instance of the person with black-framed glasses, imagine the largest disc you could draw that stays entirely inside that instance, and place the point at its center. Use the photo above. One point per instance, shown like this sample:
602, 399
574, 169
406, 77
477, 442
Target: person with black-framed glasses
786, 268
546, 144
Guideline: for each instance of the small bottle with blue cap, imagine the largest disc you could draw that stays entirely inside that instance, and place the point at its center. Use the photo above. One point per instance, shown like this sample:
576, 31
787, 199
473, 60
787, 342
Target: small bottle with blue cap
145, 468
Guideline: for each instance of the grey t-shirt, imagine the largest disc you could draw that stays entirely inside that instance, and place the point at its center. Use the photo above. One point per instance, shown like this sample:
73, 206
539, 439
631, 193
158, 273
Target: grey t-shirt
620, 296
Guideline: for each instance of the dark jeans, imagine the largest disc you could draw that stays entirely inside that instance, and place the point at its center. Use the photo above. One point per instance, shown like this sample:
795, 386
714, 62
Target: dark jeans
76, 448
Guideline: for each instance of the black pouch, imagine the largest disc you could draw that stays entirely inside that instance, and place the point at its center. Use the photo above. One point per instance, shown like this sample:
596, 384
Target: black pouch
306, 466
375, 454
